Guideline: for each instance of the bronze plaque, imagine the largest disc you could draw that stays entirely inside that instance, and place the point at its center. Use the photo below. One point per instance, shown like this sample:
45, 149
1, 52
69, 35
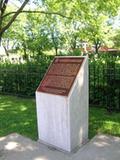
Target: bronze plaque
61, 75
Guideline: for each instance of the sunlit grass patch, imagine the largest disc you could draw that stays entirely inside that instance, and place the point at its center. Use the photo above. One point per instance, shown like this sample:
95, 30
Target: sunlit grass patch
19, 115
103, 122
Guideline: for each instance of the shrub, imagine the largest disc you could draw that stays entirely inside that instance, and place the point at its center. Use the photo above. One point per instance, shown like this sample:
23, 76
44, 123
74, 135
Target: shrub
23, 79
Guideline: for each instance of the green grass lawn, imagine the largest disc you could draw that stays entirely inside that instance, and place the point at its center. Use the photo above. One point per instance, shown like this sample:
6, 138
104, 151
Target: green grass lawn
19, 115
100, 121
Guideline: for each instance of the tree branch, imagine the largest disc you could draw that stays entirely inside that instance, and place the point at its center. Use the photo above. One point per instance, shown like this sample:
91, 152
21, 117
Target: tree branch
43, 12
4, 5
14, 17
1, 4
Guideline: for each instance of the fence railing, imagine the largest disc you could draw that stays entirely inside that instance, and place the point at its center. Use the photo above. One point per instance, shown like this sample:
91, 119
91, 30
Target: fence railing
104, 84
19, 83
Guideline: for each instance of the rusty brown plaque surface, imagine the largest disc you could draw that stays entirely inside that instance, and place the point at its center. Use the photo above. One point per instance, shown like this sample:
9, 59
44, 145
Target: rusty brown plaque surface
61, 75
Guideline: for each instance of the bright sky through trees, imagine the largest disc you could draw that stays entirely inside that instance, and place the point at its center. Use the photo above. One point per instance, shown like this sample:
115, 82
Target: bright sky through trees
17, 4
60, 23
116, 24
32, 6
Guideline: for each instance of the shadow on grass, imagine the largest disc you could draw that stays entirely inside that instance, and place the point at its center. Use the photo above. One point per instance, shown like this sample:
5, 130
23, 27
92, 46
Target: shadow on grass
100, 121
18, 115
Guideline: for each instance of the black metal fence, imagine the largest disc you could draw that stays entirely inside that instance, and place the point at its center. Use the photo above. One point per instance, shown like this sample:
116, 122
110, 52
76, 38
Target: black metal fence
104, 84
18, 83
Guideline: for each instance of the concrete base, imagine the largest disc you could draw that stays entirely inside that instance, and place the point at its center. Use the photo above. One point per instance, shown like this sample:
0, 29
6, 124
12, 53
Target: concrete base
52, 147
17, 147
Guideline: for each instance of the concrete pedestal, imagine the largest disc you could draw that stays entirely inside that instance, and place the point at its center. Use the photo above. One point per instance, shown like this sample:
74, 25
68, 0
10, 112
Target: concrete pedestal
63, 120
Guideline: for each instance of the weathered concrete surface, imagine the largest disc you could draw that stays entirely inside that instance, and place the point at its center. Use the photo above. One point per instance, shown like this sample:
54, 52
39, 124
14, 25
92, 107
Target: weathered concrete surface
63, 120
16, 147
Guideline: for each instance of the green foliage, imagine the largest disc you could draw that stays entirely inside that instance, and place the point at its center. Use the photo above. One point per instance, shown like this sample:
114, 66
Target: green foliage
23, 79
75, 52
116, 39
61, 24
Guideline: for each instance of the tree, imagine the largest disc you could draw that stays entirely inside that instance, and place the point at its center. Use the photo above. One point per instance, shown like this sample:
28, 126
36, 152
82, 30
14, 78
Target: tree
94, 16
97, 30
53, 28
31, 35
37, 37
116, 39
14, 14
73, 34
3, 14
89, 14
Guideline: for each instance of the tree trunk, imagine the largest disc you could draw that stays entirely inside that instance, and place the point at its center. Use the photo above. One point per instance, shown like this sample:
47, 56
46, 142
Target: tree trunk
6, 51
54, 43
96, 48
0, 40
74, 43
56, 51
25, 56
97, 45
1, 33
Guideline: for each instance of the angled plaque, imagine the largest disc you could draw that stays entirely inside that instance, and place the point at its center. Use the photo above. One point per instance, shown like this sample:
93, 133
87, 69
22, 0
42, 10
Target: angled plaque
61, 75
